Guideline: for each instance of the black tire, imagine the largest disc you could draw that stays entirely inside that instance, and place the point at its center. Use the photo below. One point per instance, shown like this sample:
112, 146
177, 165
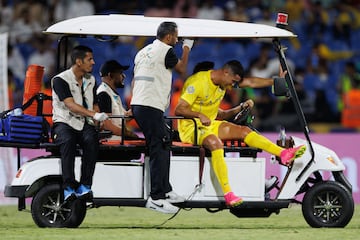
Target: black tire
48, 209
328, 204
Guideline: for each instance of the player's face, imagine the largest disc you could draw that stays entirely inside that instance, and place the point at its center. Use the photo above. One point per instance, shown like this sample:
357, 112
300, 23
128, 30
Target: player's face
236, 80
231, 79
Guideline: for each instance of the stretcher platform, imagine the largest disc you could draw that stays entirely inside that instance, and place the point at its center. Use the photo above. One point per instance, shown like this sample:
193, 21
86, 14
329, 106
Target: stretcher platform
133, 149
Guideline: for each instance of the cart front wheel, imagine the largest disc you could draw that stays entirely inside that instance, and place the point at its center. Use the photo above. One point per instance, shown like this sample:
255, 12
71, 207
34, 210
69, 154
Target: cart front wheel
48, 209
328, 204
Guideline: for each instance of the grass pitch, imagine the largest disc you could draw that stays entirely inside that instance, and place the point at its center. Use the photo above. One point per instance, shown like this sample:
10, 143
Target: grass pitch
140, 223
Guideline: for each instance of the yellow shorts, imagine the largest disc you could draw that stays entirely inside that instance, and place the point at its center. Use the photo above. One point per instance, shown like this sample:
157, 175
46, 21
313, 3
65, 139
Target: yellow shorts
186, 131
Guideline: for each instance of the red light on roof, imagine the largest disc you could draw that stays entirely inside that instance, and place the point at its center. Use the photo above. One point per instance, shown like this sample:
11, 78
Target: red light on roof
282, 18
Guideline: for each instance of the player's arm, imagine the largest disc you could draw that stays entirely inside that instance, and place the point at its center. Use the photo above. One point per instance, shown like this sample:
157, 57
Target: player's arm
183, 109
227, 114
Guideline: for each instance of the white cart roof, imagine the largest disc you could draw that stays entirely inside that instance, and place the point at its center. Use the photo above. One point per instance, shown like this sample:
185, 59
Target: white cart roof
137, 25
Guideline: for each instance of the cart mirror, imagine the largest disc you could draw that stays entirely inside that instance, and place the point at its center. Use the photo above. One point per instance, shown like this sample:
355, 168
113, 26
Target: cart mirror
280, 88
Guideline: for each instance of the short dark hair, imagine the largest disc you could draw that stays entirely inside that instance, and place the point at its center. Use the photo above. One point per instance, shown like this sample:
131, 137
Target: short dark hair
236, 67
166, 28
79, 52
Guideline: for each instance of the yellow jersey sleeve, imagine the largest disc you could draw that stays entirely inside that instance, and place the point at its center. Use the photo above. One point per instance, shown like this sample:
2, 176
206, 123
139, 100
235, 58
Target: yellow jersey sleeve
191, 89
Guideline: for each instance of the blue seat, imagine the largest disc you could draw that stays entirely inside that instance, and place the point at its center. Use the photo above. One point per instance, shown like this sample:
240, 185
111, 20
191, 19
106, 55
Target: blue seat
26, 50
204, 51
231, 50
354, 39
252, 50
332, 98
127, 50
338, 45
311, 82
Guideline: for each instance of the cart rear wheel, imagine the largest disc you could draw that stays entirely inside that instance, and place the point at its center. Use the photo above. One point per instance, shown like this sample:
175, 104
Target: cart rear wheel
328, 204
48, 209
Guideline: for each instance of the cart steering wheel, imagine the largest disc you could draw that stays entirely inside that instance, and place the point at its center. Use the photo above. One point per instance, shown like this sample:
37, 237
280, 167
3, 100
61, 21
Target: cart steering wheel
243, 117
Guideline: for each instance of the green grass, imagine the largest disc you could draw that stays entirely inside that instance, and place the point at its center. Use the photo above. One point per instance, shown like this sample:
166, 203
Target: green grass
138, 223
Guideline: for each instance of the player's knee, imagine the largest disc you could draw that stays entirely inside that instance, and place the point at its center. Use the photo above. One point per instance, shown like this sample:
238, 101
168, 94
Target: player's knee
243, 131
212, 143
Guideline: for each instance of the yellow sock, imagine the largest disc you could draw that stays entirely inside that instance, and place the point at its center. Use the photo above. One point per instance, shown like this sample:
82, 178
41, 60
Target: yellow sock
255, 140
220, 169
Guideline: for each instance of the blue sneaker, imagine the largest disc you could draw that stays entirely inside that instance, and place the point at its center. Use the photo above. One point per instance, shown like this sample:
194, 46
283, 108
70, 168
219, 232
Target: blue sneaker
84, 192
69, 194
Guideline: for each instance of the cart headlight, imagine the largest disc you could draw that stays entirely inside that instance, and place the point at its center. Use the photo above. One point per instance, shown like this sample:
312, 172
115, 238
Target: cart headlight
330, 159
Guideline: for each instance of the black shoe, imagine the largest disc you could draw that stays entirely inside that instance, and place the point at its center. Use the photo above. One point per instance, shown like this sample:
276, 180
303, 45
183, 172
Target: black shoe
84, 192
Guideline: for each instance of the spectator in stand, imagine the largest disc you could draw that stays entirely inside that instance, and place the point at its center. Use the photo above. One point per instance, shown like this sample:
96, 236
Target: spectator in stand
209, 10
16, 64
319, 85
266, 67
235, 11
341, 27
349, 80
185, 9
259, 65
321, 50
23, 28
15, 94
295, 10
64, 9
38, 11
43, 56
267, 17
284, 113
6, 15
317, 21
160, 8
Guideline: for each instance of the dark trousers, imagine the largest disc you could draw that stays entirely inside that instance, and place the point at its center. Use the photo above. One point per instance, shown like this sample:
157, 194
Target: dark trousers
67, 138
152, 124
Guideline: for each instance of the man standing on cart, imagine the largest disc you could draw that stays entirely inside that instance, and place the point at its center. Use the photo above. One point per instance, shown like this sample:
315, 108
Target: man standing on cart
151, 96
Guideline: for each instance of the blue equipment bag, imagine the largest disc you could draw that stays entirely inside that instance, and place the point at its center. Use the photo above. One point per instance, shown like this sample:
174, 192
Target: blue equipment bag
22, 129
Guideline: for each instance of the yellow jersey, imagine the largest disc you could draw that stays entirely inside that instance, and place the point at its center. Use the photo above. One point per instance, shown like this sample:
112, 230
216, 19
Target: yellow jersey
204, 97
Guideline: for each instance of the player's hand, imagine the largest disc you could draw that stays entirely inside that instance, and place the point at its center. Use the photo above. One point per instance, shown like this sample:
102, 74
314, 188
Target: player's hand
188, 43
247, 104
204, 120
100, 116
